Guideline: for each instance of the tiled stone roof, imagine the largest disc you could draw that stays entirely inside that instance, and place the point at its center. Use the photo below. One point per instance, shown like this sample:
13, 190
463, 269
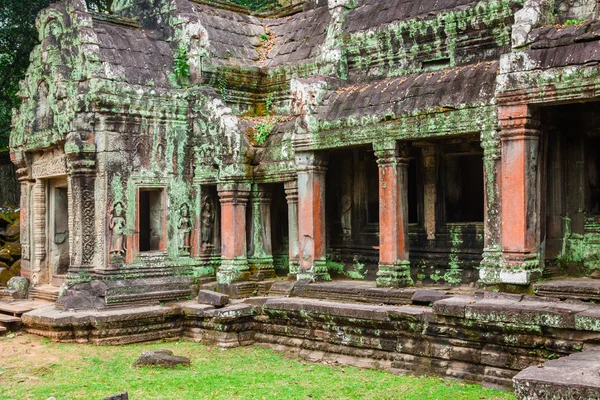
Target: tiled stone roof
408, 95
133, 55
373, 13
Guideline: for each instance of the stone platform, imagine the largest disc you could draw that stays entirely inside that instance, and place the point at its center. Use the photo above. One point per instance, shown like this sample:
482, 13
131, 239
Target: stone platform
576, 288
574, 377
486, 338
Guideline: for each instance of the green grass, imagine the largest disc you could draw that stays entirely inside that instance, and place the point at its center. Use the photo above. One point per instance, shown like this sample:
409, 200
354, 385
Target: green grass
34, 368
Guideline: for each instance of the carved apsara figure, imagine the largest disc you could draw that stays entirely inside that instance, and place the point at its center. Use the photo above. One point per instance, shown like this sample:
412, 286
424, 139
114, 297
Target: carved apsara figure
208, 219
117, 228
185, 228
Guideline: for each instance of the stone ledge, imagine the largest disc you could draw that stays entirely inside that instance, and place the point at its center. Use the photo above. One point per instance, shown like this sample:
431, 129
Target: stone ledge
574, 377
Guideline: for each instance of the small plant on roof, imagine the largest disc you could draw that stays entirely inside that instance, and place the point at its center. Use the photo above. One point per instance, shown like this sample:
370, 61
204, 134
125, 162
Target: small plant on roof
263, 130
182, 66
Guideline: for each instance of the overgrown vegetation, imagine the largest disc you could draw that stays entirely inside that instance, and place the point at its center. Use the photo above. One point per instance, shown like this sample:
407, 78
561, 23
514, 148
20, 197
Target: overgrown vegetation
182, 66
18, 36
35, 368
574, 21
258, 5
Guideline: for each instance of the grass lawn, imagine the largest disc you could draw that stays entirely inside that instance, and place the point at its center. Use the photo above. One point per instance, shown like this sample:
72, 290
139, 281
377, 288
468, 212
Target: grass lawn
35, 368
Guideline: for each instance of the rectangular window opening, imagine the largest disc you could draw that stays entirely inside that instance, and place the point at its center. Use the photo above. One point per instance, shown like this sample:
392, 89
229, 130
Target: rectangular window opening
151, 217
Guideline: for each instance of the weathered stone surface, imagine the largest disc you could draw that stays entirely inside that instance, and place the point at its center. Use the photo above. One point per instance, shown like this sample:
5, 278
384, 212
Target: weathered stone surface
572, 377
213, 298
160, 358
427, 297
20, 287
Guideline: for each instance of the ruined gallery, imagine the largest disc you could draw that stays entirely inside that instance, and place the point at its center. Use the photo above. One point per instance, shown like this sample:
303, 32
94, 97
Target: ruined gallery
173, 145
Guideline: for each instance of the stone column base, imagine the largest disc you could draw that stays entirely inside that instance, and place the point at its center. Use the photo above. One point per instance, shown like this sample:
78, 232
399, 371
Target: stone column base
262, 267
294, 269
318, 273
394, 275
511, 269
233, 270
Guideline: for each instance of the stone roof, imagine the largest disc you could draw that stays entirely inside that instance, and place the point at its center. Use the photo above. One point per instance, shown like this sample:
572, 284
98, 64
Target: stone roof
233, 37
133, 55
298, 38
557, 46
452, 88
374, 13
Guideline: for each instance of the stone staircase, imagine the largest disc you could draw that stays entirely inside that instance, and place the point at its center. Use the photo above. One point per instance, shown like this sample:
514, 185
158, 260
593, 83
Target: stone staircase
10, 315
44, 292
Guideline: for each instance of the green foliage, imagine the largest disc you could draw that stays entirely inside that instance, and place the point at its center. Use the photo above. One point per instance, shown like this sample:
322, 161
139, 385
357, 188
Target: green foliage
574, 22
263, 130
18, 36
258, 5
182, 66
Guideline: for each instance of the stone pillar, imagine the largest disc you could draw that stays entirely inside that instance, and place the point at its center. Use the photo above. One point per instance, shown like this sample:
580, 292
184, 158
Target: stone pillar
520, 191
312, 168
394, 265
260, 248
430, 191
39, 273
492, 246
234, 262
26, 184
82, 206
291, 195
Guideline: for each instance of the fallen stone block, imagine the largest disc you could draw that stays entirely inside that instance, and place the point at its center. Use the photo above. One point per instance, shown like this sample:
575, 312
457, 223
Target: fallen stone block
215, 299
160, 358
19, 287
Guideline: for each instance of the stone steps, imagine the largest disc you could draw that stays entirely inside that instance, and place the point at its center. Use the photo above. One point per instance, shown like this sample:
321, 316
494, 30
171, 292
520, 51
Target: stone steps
585, 289
9, 323
46, 292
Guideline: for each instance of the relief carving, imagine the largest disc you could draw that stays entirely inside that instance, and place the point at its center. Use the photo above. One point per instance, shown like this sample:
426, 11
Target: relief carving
185, 229
47, 168
207, 219
117, 229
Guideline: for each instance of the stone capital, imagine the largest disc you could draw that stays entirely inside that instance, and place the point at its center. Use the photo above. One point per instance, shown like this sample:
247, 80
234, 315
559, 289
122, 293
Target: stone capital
291, 191
312, 161
391, 152
236, 193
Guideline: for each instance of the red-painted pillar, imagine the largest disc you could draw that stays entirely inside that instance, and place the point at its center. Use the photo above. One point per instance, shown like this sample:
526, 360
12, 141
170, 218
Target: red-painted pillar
394, 266
520, 191
311, 215
234, 263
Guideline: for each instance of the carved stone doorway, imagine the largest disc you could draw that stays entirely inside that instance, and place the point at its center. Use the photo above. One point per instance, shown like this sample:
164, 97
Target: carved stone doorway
58, 230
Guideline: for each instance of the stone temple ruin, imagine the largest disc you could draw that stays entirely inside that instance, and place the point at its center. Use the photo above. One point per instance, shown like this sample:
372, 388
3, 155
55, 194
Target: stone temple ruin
164, 145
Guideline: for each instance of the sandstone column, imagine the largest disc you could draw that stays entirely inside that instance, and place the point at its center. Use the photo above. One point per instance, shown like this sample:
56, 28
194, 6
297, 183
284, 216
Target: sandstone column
82, 206
234, 262
394, 265
260, 248
312, 168
24, 177
492, 246
430, 191
291, 195
520, 195
39, 273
